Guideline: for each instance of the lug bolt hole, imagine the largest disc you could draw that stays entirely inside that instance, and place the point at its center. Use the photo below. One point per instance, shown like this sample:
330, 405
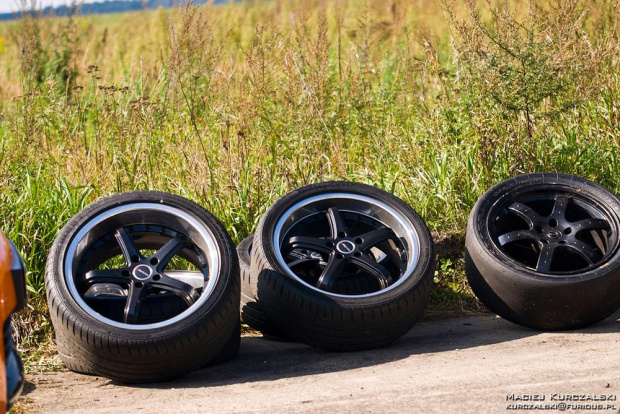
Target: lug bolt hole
125, 272
357, 254
154, 261
568, 230
553, 223
359, 240
138, 285
562, 242
341, 234
544, 241
339, 256
156, 277
538, 229
330, 244
135, 258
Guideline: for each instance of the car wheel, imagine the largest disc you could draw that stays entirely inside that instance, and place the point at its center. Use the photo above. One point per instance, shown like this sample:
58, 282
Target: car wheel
142, 287
342, 266
542, 251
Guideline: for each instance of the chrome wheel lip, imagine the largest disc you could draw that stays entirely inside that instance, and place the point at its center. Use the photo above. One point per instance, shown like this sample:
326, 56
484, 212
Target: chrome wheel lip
407, 230
603, 211
212, 255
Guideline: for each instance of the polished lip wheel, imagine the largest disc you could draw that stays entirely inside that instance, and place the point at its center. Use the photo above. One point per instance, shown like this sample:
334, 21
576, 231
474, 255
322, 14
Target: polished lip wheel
129, 230
346, 244
557, 233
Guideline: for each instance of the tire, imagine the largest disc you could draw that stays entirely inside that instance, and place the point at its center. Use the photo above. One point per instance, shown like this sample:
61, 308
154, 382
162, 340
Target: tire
365, 290
231, 349
252, 312
143, 319
542, 251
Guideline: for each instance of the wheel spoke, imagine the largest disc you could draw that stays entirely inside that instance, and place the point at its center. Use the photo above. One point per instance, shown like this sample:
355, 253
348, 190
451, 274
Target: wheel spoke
374, 269
298, 258
331, 273
168, 250
582, 249
310, 243
545, 258
590, 224
182, 289
516, 235
295, 254
134, 302
559, 208
105, 276
305, 260
129, 249
203, 261
336, 223
526, 213
374, 237
199, 255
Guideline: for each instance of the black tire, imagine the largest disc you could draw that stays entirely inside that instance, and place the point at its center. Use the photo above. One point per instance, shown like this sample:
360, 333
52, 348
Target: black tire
348, 309
180, 320
231, 349
532, 255
252, 313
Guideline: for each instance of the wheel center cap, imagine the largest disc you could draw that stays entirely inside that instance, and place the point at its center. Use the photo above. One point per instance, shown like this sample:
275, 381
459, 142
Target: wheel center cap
554, 234
142, 272
345, 246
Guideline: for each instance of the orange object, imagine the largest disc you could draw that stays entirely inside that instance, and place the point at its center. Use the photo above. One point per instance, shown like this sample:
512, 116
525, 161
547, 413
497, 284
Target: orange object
12, 298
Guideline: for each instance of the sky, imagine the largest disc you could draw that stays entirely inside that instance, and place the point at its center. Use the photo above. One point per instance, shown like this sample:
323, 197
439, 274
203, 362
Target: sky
8, 6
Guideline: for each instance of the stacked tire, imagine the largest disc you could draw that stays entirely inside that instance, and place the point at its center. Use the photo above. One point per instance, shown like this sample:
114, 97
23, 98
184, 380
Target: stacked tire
252, 312
339, 266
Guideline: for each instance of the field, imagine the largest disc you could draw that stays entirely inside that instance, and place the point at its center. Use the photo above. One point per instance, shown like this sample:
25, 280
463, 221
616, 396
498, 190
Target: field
234, 105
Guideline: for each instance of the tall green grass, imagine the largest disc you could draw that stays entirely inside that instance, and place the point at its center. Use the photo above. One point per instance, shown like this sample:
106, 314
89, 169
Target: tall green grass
234, 105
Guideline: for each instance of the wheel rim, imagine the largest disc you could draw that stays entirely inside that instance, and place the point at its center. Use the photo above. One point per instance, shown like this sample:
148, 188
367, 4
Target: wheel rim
150, 240
346, 245
558, 232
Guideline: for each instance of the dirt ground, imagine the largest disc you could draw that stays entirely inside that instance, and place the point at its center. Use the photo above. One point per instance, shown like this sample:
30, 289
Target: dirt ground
475, 364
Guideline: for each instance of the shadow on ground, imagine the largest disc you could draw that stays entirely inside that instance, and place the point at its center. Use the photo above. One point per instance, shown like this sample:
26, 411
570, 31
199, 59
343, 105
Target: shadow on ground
261, 359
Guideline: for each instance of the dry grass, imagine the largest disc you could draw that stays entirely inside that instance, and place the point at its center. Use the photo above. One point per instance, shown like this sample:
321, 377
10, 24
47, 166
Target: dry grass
234, 105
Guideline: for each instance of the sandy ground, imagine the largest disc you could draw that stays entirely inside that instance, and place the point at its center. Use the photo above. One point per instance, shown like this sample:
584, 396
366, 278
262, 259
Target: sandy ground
476, 364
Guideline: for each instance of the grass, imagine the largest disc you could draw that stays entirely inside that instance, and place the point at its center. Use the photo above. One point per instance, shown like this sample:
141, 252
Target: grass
234, 105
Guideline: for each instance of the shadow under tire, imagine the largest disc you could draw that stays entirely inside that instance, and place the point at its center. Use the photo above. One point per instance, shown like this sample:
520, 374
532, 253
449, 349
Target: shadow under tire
342, 266
143, 286
542, 251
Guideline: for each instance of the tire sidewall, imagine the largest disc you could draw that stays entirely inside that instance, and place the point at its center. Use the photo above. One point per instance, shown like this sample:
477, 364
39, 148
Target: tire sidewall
243, 251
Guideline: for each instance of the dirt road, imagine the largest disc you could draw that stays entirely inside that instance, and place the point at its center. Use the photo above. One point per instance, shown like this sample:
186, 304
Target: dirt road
475, 364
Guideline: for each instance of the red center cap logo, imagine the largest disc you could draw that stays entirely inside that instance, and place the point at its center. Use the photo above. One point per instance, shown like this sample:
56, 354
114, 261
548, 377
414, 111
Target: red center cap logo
142, 272
345, 246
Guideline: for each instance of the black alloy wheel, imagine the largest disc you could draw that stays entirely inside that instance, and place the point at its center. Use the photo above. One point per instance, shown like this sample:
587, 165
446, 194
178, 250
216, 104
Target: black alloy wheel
359, 255
554, 232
